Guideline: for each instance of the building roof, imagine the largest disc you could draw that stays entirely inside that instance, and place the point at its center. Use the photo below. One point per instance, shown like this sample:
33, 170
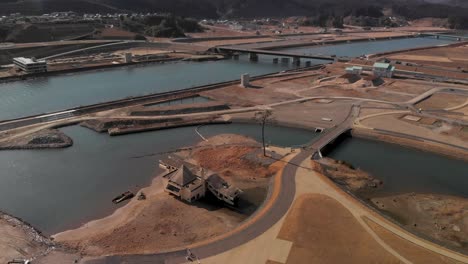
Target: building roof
222, 186
382, 65
183, 176
354, 68
24, 60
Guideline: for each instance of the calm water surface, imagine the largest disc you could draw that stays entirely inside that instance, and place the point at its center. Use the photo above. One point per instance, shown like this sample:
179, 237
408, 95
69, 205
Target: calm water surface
34, 96
355, 49
55, 190
404, 170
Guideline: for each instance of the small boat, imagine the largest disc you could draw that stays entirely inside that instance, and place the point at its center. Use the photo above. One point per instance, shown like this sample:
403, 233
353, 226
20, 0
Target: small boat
124, 196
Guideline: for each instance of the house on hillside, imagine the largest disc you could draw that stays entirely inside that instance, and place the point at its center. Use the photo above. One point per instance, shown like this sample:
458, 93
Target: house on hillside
383, 69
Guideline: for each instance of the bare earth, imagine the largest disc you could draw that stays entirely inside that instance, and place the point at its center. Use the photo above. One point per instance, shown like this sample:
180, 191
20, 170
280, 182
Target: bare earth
442, 218
324, 231
160, 222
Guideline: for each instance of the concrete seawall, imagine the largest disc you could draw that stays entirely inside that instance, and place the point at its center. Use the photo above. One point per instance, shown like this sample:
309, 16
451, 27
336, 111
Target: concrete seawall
84, 69
75, 111
183, 109
130, 130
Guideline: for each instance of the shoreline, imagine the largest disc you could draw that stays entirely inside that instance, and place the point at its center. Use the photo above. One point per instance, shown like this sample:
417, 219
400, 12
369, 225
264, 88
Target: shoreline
438, 148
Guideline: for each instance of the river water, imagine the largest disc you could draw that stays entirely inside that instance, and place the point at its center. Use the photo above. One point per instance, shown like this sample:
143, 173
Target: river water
57, 189
355, 49
404, 170
54, 93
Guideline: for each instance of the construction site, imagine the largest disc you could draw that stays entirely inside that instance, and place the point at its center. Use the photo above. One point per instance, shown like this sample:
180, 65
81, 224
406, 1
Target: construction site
293, 164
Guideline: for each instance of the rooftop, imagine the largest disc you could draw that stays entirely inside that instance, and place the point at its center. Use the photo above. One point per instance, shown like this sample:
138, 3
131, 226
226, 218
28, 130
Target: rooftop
382, 65
24, 60
183, 176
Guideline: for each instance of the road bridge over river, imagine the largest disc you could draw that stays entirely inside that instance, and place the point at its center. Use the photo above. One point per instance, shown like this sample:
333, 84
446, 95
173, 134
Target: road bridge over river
254, 52
446, 36
334, 133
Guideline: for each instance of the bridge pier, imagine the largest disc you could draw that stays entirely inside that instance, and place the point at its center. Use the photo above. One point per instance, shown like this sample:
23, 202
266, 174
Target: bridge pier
317, 155
253, 56
308, 63
296, 61
275, 60
284, 60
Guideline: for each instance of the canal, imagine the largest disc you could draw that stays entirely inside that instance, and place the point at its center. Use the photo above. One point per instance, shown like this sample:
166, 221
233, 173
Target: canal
404, 170
58, 189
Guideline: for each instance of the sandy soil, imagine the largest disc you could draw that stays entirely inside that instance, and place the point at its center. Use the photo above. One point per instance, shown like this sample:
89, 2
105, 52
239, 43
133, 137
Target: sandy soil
450, 57
334, 237
442, 218
442, 101
408, 250
347, 176
162, 222
19, 241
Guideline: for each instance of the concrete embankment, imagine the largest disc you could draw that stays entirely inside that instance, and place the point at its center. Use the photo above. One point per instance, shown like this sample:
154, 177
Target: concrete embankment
39, 51
183, 109
44, 139
82, 69
103, 125
152, 98
117, 131
303, 43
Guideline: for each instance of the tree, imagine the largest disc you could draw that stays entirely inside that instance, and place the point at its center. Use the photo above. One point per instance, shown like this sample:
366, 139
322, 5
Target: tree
264, 117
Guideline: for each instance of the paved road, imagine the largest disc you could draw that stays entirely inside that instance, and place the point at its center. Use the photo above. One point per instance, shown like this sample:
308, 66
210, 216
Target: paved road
254, 229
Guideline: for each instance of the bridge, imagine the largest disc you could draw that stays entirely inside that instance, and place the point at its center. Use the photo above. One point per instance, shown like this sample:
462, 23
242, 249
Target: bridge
335, 133
440, 35
253, 54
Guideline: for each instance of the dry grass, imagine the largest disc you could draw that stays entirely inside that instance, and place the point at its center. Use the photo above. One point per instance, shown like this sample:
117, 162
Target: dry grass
323, 231
408, 250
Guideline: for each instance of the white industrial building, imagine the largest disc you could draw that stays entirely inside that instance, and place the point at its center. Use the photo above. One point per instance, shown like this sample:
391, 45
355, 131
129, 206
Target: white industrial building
354, 70
383, 69
30, 65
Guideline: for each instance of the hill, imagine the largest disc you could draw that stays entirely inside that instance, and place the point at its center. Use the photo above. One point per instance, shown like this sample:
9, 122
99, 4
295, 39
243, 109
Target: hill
237, 8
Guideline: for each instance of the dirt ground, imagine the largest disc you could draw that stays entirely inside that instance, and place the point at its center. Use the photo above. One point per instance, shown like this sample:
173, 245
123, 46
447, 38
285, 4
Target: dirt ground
333, 237
442, 101
345, 175
443, 218
163, 222
451, 57
410, 251
19, 241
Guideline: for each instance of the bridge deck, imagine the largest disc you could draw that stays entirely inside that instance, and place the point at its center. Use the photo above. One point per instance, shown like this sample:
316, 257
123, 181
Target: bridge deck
277, 53
331, 135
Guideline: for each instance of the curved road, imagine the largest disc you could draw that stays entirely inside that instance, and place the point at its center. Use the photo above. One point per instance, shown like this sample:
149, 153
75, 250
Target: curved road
253, 228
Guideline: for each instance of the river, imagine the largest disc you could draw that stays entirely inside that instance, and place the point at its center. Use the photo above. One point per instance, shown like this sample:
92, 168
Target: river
404, 170
57, 189
356, 49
